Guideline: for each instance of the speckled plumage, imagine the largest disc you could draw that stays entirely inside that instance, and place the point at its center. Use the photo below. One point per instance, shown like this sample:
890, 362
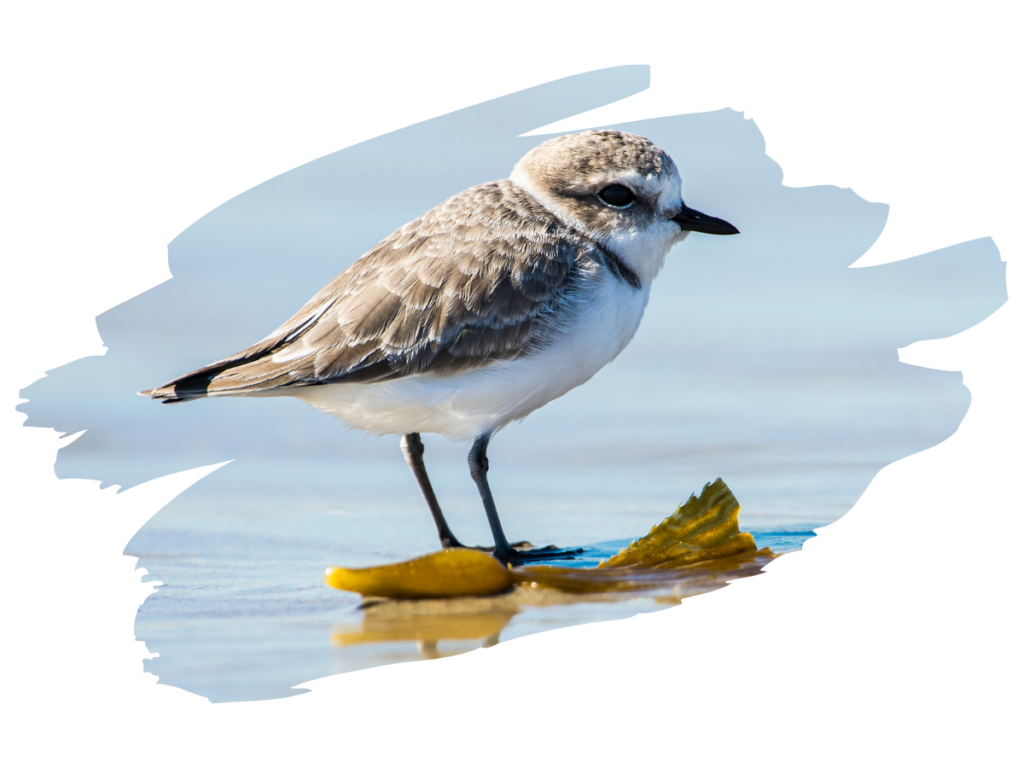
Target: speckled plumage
485, 308
490, 278
481, 277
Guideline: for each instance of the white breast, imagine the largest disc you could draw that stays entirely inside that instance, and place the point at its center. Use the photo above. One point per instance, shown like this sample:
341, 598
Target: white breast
465, 405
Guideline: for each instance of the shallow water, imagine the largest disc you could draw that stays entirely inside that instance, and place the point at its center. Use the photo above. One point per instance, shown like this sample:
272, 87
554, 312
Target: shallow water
244, 613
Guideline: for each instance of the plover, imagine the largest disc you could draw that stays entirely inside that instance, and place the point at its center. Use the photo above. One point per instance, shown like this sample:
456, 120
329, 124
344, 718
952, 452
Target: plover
494, 303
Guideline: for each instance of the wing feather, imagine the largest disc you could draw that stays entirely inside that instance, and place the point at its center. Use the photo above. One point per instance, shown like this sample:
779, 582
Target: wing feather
472, 281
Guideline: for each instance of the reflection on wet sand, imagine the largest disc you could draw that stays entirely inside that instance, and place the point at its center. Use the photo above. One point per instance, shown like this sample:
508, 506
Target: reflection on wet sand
426, 630
697, 549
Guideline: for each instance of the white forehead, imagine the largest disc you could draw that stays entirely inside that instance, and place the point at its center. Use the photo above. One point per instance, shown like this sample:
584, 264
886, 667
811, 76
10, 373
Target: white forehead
586, 162
665, 188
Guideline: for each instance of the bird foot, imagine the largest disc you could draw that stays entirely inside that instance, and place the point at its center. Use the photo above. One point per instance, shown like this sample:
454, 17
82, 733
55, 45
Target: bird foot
517, 556
522, 552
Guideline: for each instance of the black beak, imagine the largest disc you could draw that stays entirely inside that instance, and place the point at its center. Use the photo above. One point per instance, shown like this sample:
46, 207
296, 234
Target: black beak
690, 220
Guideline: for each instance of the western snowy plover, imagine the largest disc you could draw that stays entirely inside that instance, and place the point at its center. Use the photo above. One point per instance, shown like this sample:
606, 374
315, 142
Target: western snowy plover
483, 309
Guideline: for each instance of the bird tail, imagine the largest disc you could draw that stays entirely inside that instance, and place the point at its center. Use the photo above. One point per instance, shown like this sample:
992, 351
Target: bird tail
248, 372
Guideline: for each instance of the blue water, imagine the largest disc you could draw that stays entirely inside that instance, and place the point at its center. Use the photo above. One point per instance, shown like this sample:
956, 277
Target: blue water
779, 542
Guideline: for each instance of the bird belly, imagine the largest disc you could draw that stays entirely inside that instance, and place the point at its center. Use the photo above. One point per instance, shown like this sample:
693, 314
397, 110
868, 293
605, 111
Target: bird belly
470, 403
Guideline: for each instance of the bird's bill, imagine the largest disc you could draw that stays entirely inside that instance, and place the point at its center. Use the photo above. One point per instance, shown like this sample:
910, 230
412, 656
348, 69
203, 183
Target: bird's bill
695, 221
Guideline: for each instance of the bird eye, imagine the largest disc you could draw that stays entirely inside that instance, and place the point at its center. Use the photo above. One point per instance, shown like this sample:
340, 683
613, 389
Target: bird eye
616, 196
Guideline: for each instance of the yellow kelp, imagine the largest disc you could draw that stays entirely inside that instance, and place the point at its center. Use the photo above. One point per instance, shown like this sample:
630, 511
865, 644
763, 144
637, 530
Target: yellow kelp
704, 528
448, 573
701, 536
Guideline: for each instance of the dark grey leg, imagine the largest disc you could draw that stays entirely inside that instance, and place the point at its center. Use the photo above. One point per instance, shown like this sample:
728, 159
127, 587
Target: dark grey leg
412, 448
478, 469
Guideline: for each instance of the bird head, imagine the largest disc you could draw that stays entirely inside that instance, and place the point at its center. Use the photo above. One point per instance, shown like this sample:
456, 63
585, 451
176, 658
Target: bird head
618, 188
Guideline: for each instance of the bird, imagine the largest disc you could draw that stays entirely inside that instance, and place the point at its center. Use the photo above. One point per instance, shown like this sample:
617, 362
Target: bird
499, 300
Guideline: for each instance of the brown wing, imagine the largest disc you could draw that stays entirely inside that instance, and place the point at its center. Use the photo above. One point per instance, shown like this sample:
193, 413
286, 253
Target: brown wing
474, 280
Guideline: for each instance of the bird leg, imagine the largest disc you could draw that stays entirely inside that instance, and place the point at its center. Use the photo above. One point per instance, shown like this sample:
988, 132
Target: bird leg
503, 551
412, 449
478, 467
